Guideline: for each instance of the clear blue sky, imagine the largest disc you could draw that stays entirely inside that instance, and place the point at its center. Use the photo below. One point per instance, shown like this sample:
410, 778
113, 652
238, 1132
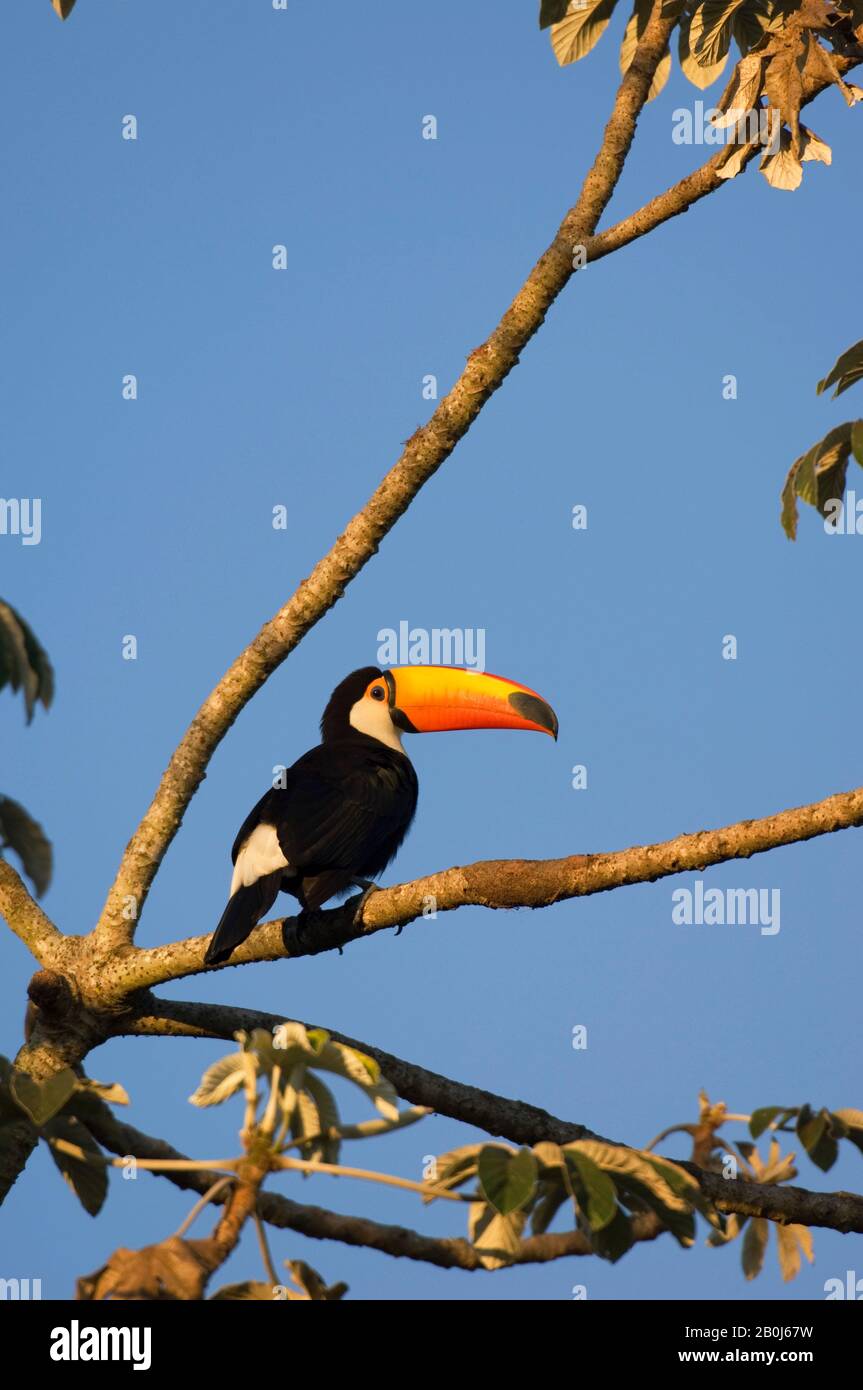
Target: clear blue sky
258, 388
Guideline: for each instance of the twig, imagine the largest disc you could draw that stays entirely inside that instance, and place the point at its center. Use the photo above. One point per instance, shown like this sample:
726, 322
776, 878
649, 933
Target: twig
338, 1170
202, 1203
265, 1249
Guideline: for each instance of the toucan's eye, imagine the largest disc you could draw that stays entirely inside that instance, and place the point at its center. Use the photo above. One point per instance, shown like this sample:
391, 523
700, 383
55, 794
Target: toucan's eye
378, 693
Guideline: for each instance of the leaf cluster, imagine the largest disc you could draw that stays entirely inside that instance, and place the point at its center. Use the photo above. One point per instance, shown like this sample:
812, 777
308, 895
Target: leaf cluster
603, 1187
818, 477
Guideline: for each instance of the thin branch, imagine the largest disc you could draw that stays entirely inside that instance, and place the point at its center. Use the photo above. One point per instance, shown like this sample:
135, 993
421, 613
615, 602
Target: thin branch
515, 1120
503, 884
366, 1129
202, 1202
702, 181
154, 1165
487, 367
320, 1224
666, 1134
340, 1170
264, 1247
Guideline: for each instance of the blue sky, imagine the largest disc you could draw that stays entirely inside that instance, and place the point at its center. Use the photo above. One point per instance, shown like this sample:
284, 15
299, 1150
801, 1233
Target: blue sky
259, 388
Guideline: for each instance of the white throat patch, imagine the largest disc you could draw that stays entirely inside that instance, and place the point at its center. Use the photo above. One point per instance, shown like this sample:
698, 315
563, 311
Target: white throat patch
372, 717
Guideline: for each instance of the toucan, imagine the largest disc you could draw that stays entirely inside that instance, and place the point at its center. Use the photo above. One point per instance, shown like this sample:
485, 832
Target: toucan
337, 817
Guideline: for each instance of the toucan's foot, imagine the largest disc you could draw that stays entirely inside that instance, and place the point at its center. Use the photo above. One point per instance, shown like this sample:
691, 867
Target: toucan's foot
368, 887
306, 918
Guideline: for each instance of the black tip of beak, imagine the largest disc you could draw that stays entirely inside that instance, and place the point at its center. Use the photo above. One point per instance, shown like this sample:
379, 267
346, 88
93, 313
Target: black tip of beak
536, 710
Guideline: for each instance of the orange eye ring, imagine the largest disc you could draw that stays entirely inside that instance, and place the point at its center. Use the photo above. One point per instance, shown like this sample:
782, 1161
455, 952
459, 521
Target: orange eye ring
378, 692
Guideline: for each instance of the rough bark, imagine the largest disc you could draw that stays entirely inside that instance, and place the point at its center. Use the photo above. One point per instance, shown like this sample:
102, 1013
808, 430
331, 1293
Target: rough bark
504, 884
321, 1224
515, 1120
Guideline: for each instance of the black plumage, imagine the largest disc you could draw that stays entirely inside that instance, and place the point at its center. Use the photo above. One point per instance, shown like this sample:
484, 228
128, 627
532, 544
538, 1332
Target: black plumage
340, 817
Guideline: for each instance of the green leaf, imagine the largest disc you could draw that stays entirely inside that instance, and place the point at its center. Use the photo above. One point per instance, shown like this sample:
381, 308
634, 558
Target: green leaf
508, 1180
845, 371
613, 1241
88, 1181
497, 1238
304, 1121
597, 1195
26, 838
455, 1167
580, 31
640, 1184
816, 1135
350, 1064
550, 1197
220, 1081
818, 476
24, 663
760, 1119
42, 1099
318, 1039
289, 1044
385, 1099
754, 1245
857, 441
685, 1186
552, 12
328, 1116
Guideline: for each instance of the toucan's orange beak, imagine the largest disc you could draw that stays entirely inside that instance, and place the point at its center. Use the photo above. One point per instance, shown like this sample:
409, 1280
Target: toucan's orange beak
430, 699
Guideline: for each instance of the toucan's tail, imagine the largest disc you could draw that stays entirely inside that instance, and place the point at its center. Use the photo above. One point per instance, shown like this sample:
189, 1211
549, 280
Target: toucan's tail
243, 912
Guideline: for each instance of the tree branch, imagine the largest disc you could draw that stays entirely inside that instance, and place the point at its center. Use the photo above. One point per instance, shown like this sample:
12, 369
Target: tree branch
697, 185
515, 1120
320, 1224
487, 367
501, 884
25, 916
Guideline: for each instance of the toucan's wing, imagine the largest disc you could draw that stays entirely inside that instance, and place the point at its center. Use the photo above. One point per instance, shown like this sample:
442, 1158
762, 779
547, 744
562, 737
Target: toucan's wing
342, 806
259, 814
